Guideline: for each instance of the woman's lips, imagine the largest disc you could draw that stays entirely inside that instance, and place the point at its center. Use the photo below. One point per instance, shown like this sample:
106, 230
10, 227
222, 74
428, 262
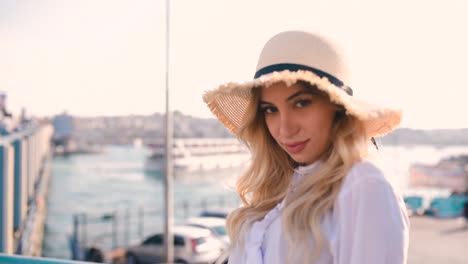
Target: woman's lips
296, 147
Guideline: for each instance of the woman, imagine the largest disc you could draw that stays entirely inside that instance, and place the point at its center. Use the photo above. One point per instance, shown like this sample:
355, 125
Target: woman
309, 195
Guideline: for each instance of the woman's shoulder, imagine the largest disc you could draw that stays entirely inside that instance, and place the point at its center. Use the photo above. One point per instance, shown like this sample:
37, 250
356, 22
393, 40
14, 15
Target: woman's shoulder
365, 170
364, 173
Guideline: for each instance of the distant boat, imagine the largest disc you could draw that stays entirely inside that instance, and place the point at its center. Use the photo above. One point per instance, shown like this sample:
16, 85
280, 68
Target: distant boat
448, 173
199, 155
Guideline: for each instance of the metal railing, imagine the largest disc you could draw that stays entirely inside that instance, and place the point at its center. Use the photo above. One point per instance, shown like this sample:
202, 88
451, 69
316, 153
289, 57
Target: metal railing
119, 229
13, 259
23, 171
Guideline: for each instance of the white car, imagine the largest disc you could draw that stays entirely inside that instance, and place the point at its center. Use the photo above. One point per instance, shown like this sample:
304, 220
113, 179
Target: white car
216, 225
191, 245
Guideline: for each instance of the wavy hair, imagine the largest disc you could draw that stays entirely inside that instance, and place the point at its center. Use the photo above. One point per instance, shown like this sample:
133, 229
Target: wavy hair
267, 181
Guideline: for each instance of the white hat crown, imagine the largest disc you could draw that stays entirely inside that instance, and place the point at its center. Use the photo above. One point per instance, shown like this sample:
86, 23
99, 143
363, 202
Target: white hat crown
305, 49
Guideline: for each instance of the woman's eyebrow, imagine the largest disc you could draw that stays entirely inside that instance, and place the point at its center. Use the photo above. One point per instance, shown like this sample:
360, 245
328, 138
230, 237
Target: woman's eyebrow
265, 102
291, 97
296, 94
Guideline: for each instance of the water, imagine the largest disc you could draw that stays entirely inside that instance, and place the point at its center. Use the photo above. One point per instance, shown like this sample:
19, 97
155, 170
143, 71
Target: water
99, 184
114, 180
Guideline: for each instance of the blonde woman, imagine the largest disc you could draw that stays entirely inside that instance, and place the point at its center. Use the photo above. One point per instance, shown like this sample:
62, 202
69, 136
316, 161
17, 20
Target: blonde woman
310, 194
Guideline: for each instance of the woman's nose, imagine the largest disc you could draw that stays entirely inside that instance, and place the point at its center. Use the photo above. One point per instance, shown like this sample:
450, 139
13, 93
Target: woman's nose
287, 125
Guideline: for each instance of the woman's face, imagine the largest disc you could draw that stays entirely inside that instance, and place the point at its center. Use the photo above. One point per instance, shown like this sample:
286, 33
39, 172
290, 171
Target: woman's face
299, 120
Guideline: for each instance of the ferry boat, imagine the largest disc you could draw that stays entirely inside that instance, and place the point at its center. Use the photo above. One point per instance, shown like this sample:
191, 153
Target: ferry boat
449, 173
198, 155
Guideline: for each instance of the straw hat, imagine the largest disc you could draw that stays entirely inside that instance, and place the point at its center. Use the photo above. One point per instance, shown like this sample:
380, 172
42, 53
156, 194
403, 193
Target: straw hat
294, 56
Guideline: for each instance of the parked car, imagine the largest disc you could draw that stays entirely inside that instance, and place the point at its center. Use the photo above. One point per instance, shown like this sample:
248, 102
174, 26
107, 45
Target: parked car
191, 245
216, 225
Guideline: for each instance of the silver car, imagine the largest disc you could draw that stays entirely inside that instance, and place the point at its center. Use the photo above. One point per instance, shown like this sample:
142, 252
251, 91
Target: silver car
191, 245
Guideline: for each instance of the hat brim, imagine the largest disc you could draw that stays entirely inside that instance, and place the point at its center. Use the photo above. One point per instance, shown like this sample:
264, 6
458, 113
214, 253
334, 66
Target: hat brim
229, 102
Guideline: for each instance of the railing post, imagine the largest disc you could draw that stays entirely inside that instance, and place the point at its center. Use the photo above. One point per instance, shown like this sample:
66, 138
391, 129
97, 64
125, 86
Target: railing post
29, 168
127, 226
75, 240
114, 231
141, 215
20, 181
33, 165
221, 201
186, 209
6, 198
84, 229
204, 203
237, 201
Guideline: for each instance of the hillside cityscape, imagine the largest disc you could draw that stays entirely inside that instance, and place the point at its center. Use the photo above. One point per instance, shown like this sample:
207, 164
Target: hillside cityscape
122, 130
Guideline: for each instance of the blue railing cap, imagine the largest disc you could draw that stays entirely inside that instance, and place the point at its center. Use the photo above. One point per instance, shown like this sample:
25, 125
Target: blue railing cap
13, 259
8, 139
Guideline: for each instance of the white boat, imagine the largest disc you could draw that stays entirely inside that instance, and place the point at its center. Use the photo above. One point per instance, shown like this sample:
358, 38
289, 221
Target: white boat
199, 155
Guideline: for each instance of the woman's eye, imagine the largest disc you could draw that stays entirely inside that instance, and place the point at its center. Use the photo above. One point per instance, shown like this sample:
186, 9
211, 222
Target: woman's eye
268, 109
302, 103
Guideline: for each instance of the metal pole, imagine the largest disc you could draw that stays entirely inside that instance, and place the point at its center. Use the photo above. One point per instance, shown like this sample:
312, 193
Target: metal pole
169, 213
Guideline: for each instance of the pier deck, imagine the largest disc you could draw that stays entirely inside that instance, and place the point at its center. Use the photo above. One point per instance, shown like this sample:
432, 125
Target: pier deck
435, 241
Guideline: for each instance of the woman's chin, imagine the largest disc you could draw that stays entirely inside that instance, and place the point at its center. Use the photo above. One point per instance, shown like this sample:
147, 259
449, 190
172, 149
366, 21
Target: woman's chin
303, 161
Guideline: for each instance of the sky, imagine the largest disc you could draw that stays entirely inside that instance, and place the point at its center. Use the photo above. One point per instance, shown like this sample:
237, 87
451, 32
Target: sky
107, 57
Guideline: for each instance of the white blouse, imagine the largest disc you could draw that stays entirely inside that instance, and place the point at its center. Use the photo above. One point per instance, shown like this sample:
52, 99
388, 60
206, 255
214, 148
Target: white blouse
368, 224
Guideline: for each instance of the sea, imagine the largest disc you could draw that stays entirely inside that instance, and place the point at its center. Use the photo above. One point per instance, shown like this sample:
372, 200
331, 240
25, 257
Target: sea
117, 203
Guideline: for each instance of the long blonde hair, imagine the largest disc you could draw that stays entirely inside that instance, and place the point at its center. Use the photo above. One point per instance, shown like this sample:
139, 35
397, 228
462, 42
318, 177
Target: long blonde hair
267, 182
